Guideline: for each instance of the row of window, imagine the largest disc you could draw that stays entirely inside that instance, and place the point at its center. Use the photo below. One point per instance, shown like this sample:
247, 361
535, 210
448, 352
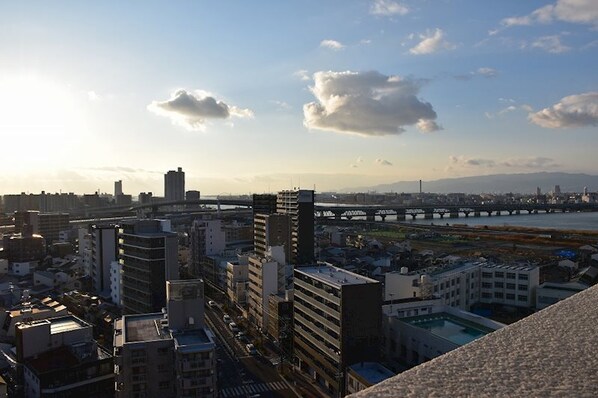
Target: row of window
501, 285
509, 275
507, 296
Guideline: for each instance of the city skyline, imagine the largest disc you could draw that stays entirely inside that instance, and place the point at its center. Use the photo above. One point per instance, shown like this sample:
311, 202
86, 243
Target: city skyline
261, 97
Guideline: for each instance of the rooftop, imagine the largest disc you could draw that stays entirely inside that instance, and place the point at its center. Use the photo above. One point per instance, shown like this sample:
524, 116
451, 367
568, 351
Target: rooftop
145, 327
66, 324
449, 327
194, 340
546, 354
335, 276
373, 372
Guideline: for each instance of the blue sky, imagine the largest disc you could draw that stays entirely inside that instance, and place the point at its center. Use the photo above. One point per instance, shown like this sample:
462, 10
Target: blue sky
261, 96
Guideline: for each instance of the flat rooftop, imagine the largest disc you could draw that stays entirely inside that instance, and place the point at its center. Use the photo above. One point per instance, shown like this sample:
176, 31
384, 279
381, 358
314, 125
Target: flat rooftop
193, 340
335, 276
510, 267
66, 324
449, 327
146, 327
372, 372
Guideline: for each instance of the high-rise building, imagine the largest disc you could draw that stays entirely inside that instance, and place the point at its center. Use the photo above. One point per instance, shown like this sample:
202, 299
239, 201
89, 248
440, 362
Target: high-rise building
167, 355
51, 224
271, 230
299, 206
337, 323
27, 222
267, 275
118, 188
557, 189
207, 239
264, 203
148, 252
103, 253
174, 185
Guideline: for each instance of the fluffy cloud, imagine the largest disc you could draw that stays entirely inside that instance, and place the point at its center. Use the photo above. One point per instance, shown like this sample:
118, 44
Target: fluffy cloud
366, 103
332, 44
432, 42
551, 44
191, 110
573, 11
388, 8
383, 162
573, 111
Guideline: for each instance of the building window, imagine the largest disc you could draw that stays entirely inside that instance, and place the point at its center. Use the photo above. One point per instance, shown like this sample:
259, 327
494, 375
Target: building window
510, 275
486, 285
521, 297
498, 295
486, 274
499, 274
499, 285
510, 296
523, 277
511, 286
486, 295
523, 287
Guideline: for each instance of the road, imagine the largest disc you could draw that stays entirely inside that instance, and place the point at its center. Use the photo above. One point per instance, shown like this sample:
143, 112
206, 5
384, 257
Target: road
241, 374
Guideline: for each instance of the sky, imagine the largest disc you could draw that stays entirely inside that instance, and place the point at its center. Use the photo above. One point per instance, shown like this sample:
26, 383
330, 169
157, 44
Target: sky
261, 96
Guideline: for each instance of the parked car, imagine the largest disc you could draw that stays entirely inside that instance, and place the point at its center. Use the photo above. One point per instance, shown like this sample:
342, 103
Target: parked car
212, 304
251, 349
233, 327
226, 318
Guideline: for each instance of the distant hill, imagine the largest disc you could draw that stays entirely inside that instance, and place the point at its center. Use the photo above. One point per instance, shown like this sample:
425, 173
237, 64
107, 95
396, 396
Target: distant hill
497, 183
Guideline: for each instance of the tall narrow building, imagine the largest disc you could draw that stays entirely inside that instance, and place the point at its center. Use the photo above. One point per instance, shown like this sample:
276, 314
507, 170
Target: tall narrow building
299, 206
174, 185
148, 254
103, 253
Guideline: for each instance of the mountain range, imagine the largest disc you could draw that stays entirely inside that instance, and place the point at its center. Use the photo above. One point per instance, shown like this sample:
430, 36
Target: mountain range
495, 183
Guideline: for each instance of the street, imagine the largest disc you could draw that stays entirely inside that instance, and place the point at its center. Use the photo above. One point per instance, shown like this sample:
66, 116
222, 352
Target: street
241, 374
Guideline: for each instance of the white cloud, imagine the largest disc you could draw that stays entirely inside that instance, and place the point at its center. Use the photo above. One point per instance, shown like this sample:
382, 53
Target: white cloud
577, 110
487, 72
281, 105
383, 162
551, 44
191, 110
432, 42
388, 8
530, 162
515, 163
427, 126
332, 44
365, 103
302, 74
573, 11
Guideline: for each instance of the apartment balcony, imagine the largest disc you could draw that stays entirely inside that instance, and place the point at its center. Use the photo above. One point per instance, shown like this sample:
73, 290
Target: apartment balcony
549, 353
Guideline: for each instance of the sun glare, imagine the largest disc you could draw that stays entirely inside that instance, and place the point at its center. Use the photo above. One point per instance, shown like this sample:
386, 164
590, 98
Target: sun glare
38, 117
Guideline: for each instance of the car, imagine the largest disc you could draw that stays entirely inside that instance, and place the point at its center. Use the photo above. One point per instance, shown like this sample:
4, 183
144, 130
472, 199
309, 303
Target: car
251, 349
240, 334
226, 318
212, 304
233, 327
243, 339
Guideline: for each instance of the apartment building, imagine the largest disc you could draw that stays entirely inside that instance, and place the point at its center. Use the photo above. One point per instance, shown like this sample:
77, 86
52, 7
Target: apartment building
147, 251
207, 239
171, 354
337, 323
299, 206
237, 281
58, 357
104, 251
